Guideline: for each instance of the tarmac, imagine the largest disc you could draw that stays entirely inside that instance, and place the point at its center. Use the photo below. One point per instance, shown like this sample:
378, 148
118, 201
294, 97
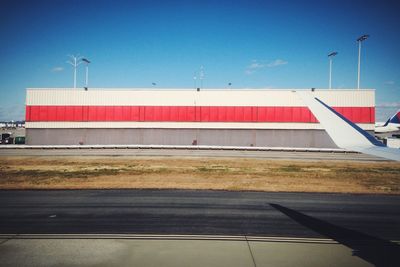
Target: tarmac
157, 151
197, 228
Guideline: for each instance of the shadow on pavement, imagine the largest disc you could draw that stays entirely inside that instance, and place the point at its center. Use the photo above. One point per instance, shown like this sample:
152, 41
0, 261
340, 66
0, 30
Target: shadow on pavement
377, 251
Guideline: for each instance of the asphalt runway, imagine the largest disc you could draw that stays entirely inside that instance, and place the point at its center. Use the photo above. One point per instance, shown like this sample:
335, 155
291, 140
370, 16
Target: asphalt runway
199, 212
197, 228
279, 155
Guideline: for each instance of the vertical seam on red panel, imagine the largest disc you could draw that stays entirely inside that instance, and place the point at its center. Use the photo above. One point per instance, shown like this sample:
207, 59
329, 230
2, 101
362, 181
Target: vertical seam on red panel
27, 113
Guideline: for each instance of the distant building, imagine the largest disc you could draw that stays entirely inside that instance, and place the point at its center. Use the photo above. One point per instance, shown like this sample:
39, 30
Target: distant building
266, 118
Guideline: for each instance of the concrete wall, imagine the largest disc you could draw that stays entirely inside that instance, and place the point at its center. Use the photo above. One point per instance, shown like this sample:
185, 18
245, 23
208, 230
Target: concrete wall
224, 137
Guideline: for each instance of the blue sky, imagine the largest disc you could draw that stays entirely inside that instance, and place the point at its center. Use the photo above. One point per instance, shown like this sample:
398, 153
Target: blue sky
251, 44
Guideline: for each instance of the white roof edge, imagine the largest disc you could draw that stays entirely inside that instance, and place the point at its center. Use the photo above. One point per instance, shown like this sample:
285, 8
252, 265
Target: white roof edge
188, 89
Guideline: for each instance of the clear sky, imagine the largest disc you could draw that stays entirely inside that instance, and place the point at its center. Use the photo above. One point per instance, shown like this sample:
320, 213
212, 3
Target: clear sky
251, 44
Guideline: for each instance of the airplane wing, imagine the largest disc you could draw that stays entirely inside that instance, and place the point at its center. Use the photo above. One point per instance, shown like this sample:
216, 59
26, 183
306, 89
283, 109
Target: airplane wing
343, 132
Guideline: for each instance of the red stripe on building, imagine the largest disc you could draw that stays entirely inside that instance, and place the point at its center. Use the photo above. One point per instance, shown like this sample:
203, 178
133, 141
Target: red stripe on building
189, 114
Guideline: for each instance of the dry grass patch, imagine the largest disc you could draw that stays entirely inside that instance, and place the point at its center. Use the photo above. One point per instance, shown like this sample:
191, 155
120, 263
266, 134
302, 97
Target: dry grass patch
198, 173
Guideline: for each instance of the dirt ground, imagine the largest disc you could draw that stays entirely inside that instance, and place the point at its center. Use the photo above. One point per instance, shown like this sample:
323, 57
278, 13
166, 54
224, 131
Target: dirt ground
198, 173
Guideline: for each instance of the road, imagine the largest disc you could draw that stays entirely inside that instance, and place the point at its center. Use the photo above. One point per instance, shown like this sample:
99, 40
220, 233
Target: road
195, 212
282, 155
112, 227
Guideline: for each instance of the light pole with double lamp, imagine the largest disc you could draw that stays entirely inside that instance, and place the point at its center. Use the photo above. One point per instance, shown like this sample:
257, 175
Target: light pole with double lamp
87, 72
360, 40
330, 56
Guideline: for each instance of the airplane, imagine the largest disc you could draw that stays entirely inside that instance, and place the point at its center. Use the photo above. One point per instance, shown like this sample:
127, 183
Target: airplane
391, 125
345, 133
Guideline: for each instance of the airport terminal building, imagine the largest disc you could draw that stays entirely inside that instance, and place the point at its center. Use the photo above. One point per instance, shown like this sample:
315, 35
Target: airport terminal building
221, 117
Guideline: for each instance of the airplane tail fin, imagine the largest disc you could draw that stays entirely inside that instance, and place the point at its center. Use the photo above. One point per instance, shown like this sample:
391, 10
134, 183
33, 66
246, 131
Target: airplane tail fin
394, 119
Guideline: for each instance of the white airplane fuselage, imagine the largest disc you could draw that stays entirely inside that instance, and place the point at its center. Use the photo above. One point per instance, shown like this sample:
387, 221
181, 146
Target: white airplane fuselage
391, 127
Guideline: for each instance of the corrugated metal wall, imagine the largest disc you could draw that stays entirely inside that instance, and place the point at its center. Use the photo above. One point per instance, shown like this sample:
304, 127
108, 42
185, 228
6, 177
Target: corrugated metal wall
211, 97
219, 137
189, 114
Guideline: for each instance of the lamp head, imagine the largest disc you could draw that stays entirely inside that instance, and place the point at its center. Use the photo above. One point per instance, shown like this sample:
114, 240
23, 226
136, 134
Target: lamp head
332, 54
362, 38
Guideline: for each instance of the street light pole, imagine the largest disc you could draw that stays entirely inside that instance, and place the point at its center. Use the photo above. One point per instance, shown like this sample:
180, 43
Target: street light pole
330, 56
87, 72
359, 40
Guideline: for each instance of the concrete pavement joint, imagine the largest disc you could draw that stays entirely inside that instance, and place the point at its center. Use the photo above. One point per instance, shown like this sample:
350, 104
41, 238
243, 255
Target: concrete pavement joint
251, 252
